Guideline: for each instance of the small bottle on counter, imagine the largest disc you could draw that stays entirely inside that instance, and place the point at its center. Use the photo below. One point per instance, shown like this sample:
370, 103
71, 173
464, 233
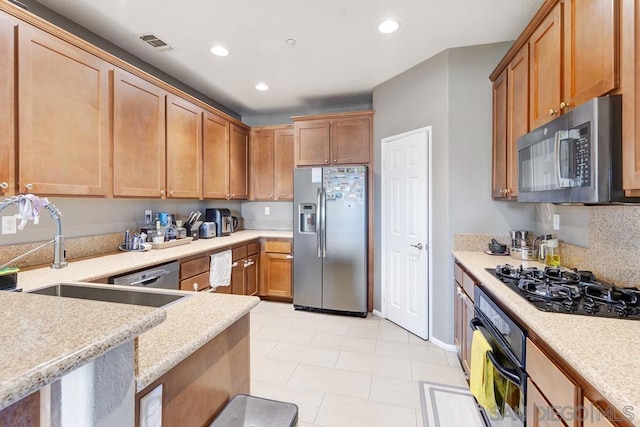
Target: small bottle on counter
552, 253
181, 232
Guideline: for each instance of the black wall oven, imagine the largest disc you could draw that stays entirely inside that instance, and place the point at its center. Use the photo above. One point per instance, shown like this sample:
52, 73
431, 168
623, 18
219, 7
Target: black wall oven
507, 355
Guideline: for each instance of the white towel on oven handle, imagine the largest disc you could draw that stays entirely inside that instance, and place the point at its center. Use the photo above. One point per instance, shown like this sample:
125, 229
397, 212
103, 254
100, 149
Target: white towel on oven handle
220, 269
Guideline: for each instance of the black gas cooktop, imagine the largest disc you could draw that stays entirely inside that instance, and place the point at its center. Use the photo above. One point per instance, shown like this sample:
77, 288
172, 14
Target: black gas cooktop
570, 291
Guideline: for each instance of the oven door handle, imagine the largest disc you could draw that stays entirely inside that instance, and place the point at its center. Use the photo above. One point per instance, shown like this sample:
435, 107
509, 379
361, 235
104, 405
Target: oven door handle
509, 375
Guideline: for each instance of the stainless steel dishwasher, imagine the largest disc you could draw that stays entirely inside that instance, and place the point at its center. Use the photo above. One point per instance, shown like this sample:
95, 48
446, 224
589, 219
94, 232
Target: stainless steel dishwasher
164, 276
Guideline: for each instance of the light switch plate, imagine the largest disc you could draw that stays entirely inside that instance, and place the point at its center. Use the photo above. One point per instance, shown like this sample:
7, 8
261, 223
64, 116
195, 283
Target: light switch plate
556, 222
9, 225
266, 210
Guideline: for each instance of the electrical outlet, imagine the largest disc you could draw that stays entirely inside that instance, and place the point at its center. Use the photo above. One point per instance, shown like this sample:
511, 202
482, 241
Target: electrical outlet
9, 225
266, 210
556, 221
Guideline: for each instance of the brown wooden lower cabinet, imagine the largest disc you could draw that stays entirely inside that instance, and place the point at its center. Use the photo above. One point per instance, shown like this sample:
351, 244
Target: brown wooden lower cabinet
539, 411
463, 313
196, 390
276, 276
194, 274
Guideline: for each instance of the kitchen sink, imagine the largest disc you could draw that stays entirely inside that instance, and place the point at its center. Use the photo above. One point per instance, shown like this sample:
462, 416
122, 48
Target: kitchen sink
122, 296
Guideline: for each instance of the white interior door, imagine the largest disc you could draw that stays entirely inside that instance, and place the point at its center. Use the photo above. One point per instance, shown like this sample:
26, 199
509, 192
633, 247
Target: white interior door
405, 230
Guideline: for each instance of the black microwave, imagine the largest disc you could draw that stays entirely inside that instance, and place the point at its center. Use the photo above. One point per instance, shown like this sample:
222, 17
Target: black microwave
575, 158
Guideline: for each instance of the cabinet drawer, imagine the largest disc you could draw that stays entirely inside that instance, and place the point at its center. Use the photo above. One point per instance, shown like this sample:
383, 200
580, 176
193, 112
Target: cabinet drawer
253, 248
552, 382
468, 284
457, 273
193, 267
201, 281
239, 253
276, 246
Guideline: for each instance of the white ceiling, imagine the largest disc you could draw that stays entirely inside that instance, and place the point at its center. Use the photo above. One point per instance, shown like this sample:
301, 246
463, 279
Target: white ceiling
339, 56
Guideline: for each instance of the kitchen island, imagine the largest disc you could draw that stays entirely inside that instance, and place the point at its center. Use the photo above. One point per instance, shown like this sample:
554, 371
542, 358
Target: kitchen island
189, 324
602, 351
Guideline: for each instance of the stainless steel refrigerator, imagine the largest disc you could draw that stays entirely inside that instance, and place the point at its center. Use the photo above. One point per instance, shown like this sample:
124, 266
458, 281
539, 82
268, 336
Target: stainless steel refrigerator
330, 239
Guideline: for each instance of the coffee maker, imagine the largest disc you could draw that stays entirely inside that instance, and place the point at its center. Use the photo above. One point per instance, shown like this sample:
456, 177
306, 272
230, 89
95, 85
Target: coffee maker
222, 219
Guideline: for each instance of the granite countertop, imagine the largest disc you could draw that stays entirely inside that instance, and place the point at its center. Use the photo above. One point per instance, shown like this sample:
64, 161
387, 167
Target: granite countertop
160, 348
603, 351
43, 338
109, 265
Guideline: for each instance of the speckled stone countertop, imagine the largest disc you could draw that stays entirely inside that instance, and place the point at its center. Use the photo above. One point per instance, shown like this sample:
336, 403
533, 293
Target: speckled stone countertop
109, 265
176, 338
603, 351
43, 338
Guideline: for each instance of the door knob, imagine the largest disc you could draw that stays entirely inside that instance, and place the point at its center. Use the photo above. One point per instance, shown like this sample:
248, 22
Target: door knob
418, 246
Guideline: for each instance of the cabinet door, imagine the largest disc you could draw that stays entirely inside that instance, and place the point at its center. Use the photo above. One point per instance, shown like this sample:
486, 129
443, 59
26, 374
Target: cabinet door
351, 141
517, 115
237, 277
593, 416
262, 161
457, 318
283, 164
467, 332
499, 152
539, 411
252, 265
590, 66
238, 163
184, 149
215, 149
64, 117
8, 29
276, 275
545, 48
312, 142
138, 137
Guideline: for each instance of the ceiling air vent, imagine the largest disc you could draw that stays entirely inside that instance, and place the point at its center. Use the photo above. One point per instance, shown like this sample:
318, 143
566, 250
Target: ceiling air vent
155, 42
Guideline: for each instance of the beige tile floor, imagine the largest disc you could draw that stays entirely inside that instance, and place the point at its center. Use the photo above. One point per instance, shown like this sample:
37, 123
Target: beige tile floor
344, 371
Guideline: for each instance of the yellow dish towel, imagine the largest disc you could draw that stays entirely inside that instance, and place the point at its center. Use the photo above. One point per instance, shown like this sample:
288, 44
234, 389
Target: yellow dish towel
482, 375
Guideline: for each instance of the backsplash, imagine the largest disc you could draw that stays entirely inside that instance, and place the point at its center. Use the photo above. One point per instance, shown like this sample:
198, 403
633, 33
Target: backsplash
76, 248
268, 224
613, 252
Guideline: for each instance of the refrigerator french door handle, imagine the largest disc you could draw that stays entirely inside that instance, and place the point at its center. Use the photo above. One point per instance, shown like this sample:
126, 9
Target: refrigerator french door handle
324, 224
319, 224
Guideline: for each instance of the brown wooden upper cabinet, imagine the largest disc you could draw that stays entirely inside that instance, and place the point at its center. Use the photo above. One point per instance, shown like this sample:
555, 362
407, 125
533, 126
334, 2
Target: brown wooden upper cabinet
510, 121
64, 117
184, 149
8, 27
138, 137
333, 139
272, 163
225, 158
570, 62
238, 162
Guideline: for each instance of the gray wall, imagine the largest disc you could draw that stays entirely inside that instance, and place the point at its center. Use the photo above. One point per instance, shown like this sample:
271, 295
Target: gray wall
285, 118
452, 93
88, 217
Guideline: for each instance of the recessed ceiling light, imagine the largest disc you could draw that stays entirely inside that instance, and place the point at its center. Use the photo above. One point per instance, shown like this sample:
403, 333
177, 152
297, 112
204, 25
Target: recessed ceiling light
219, 51
389, 26
262, 86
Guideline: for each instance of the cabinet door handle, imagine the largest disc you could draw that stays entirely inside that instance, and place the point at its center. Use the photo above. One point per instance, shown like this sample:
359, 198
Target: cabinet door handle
326, 160
28, 186
171, 193
564, 105
195, 287
335, 160
4, 185
553, 112
163, 192
289, 256
235, 264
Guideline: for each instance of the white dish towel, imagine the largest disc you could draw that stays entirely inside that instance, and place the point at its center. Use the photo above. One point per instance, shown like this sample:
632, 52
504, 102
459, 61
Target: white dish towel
220, 269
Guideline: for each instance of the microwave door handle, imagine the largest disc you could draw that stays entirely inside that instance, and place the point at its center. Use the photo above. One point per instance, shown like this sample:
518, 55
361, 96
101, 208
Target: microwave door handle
475, 324
556, 153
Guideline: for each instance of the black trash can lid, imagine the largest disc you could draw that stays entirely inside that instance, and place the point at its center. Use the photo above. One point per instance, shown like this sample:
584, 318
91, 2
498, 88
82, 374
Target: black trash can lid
252, 411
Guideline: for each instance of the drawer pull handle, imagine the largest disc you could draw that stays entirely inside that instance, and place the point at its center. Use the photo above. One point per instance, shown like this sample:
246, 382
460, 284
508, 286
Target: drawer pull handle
235, 264
195, 287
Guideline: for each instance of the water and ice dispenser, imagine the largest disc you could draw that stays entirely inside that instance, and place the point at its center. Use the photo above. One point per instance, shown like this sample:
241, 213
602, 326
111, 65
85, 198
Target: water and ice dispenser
307, 212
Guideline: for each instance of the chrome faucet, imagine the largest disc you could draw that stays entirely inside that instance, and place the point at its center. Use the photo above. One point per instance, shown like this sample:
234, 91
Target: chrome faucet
57, 241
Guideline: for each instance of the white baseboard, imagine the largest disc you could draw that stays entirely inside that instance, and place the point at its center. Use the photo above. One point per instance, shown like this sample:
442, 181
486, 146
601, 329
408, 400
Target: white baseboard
442, 345
377, 313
